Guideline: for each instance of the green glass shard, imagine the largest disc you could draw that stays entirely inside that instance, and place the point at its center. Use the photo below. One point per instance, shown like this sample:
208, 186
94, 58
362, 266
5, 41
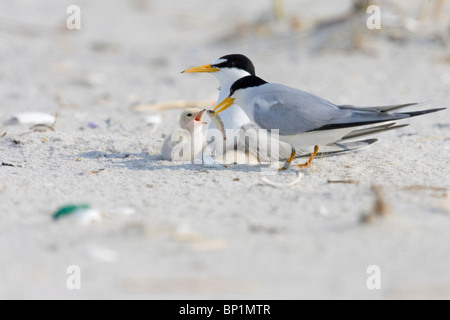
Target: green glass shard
70, 209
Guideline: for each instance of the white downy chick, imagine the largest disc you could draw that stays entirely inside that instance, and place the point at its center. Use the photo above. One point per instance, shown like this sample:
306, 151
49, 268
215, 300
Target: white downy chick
186, 143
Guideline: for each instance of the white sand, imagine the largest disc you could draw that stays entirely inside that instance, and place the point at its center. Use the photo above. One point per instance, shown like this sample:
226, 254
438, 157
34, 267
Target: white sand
196, 233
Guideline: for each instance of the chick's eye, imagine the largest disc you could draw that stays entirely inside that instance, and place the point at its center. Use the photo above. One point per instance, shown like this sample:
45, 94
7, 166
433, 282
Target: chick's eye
189, 114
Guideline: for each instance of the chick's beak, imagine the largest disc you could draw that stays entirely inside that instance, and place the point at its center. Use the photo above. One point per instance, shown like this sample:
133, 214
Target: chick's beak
205, 68
198, 116
225, 104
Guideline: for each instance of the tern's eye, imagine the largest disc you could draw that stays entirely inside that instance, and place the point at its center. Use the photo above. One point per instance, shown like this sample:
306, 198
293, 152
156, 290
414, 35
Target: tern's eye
189, 114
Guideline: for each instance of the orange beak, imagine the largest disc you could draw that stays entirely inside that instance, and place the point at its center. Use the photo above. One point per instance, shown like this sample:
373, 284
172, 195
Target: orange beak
198, 116
205, 68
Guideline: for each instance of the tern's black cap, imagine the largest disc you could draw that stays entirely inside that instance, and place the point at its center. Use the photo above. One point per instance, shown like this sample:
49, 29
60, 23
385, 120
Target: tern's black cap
236, 61
246, 82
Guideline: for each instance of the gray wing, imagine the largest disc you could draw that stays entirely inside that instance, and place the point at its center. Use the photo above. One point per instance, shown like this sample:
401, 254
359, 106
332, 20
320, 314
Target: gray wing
293, 111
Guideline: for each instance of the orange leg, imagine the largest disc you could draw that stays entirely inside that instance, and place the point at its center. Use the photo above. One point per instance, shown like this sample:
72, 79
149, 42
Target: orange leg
287, 164
308, 163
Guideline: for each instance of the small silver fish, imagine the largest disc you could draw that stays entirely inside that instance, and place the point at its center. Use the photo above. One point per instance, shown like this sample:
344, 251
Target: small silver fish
217, 122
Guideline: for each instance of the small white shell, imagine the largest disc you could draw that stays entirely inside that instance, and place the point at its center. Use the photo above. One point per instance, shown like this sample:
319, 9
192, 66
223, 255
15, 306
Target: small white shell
32, 118
87, 216
153, 119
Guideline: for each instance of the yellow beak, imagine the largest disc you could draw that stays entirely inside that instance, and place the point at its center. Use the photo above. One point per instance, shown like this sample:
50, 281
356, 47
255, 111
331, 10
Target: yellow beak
225, 104
205, 68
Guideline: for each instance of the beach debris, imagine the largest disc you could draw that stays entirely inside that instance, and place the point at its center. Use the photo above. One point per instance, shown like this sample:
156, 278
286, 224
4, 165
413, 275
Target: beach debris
42, 127
92, 125
439, 192
109, 122
41, 123
236, 179
434, 138
270, 174
281, 185
7, 164
267, 229
350, 181
35, 118
3, 134
95, 171
82, 213
380, 207
177, 104
105, 46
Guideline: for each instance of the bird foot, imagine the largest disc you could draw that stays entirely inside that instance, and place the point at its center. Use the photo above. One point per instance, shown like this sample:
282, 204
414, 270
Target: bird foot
304, 165
307, 164
286, 166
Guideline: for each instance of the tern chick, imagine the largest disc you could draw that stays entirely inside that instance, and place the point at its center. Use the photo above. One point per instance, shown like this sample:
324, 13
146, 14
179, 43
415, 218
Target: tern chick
186, 142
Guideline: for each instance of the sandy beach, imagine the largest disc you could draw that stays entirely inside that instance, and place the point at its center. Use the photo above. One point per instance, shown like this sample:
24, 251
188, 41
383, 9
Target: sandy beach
173, 230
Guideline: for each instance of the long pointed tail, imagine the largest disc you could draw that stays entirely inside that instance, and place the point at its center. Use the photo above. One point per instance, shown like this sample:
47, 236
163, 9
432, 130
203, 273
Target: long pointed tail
419, 113
364, 117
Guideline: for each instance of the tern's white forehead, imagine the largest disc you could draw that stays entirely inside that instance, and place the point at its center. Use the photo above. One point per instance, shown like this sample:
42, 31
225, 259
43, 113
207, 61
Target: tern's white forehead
219, 61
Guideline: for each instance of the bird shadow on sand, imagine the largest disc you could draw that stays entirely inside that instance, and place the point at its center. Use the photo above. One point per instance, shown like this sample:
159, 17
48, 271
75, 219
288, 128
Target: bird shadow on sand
145, 161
